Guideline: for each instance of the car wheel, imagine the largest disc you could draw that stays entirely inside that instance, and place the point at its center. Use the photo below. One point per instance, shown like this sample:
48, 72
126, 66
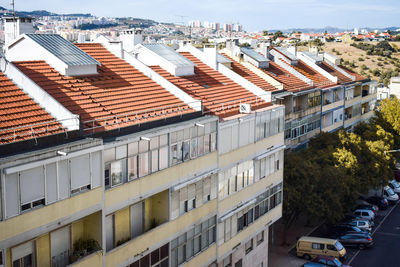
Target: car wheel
306, 257
362, 246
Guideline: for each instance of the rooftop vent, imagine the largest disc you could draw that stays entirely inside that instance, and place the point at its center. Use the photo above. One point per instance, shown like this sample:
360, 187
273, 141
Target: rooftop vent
254, 57
317, 59
292, 58
61, 54
166, 58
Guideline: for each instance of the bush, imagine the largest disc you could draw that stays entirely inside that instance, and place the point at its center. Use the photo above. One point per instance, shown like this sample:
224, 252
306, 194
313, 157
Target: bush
380, 64
360, 59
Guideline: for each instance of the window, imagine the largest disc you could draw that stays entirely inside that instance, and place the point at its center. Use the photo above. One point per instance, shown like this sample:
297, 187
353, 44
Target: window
32, 188
260, 238
157, 258
132, 168
143, 164
227, 261
116, 173
23, 255
317, 246
249, 246
331, 247
109, 226
238, 263
187, 245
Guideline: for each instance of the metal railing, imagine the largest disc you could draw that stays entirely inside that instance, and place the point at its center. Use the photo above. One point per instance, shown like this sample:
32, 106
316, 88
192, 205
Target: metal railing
61, 260
230, 105
32, 131
116, 121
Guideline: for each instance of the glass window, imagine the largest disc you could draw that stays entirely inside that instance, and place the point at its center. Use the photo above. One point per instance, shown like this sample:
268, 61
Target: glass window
143, 164
249, 246
193, 148
116, 173
207, 143
213, 142
133, 148
132, 168
154, 143
201, 145
163, 140
154, 160
143, 146
186, 149
163, 158
109, 155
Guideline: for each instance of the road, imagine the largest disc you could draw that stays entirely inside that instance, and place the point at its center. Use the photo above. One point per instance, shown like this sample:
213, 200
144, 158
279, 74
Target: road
386, 249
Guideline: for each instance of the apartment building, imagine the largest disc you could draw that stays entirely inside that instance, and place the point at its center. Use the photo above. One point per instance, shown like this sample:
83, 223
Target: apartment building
318, 93
145, 158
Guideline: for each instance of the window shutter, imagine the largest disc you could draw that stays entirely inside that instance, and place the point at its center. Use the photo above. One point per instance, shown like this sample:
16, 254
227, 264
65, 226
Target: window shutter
63, 179
136, 211
11, 195
206, 188
221, 233
183, 196
235, 136
174, 205
32, 185
244, 133
96, 166
226, 139
22, 251
109, 225
199, 193
234, 225
214, 181
51, 183
191, 191
80, 171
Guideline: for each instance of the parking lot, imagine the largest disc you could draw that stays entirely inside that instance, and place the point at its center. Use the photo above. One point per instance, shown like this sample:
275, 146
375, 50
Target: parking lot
384, 252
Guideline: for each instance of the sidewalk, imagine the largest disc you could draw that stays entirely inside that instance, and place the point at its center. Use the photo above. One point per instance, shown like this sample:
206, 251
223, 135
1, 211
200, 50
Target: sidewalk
279, 255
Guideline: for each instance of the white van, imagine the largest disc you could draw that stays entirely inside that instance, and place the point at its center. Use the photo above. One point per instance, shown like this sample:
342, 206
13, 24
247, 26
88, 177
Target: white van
364, 214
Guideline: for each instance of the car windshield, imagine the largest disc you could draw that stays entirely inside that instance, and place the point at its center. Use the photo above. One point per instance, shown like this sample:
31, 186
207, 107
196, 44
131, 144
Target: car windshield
338, 246
395, 184
337, 262
390, 191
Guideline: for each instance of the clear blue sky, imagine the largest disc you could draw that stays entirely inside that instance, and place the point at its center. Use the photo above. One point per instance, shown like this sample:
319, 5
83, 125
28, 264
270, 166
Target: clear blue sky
253, 14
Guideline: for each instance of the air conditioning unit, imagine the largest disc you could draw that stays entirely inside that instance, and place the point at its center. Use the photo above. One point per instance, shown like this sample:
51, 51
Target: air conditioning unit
245, 108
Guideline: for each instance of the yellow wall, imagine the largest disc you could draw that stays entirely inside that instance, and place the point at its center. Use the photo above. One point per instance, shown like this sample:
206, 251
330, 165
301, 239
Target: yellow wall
92, 226
51, 213
77, 231
159, 179
122, 225
159, 235
249, 192
43, 251
250, 150
156, 207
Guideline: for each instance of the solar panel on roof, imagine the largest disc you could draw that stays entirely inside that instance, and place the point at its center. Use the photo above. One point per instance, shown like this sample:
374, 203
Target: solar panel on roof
63, 49
169, 54
253, 54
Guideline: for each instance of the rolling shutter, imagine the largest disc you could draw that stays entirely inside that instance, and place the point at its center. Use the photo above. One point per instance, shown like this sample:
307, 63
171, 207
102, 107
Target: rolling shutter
80, 171
32, 185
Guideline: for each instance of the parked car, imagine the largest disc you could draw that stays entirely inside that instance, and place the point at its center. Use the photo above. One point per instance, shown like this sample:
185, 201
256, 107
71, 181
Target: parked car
395, 186
362, 224
327, 261
391, 196
365, 214
381, 202
338, 230
363, 201
309, 247
374, 208
356, 240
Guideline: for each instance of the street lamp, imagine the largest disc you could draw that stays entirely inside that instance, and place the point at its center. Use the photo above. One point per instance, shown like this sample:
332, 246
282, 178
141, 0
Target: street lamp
391, 151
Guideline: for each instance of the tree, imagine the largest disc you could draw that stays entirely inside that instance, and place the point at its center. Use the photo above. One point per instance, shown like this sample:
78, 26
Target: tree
265, 32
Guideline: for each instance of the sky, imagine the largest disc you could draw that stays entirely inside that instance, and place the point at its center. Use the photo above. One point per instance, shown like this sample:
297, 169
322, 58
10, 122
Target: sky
254, 15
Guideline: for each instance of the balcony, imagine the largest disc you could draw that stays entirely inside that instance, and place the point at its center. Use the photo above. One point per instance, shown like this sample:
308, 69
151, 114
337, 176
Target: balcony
249, 192
158, 181
158, 235
302, 113
94, 259
267, 219
367, 115
350, 121
352, 101
333, 126
52, 215
333, 105
369, 97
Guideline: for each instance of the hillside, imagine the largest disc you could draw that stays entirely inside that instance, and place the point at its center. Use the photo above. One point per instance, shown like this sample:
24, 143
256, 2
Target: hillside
376, 67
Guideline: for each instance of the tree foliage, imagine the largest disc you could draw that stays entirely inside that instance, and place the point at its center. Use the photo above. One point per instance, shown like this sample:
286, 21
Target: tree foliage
324, 180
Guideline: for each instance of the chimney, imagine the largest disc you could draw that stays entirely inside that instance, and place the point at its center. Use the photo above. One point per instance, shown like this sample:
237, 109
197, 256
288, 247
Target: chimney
15, 26
210, 54
130, 38
293, 49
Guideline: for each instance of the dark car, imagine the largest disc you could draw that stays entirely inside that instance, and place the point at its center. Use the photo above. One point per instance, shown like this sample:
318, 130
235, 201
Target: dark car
366, 207
356, 240
381, 202
339, 230
325, 261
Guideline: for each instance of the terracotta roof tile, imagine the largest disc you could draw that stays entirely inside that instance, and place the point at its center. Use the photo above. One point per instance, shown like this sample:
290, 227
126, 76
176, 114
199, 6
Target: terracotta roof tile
118, 90
250, 76
219, 94
21, 118
341, 77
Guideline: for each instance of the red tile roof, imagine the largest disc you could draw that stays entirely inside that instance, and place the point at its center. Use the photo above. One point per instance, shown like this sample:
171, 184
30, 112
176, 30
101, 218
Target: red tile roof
21, 118
290, 82
219, 94
341, 77
358, 76
318, 79
118, 96
250, 76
